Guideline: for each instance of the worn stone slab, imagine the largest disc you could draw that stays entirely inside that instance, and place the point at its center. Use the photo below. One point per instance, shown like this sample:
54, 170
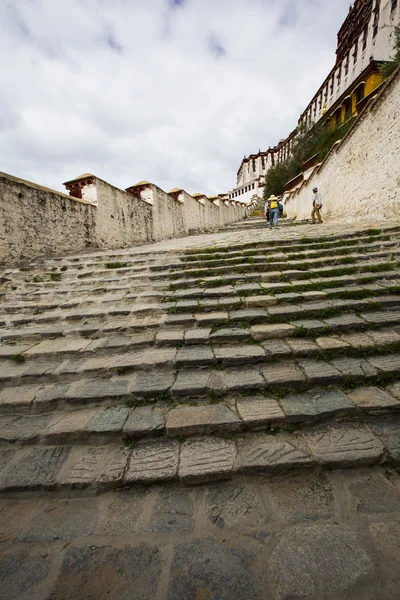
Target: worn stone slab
388, 431
258, 411
198, 420
19, 397
98, 389
345, 321
170, 336
389, 363
247, 314
358, 340
154, 357
244, 378
345, 445
354, 367
383, 316
261, 452
60, 345
261, 301
34, 469
276, 348
107, 571
311, 406
230, 334
374, 400
93, 465
69, 426
331, 343
197, 335
313, 295
382, 337
285, 310
24, 572
210, 318
309, 561
283, 373
302, 346
234, 505
122, 513
191, 382
305, 496
319, 371
144, 420
62, 520
195, 355
150, 384
109, 420
264, 332
10, 350
153, 461
14, 516
173, 511
16, 428
375, 494
239, 354
308, 324
206, 459
215, 570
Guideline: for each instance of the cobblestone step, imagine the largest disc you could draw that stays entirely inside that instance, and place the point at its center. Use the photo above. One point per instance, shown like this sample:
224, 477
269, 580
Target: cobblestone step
233, 414
200, 459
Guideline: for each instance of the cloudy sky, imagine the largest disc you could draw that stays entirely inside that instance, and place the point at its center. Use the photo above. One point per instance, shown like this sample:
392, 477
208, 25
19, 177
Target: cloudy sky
171, 91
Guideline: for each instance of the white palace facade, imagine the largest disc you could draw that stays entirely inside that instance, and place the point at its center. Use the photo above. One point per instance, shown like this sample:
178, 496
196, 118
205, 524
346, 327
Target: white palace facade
364, 42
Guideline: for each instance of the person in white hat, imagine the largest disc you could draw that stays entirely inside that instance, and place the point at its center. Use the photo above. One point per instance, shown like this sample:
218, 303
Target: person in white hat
317, 205
272, 205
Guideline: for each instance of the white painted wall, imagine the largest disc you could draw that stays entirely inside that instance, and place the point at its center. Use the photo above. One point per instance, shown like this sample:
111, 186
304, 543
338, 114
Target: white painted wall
360, 178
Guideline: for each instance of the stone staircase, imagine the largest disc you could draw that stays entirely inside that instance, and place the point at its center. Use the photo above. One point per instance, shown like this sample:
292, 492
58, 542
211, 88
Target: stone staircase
151, 365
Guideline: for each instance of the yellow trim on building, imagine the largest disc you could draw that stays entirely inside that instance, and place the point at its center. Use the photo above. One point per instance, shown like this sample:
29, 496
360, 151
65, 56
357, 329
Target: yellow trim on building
372, 82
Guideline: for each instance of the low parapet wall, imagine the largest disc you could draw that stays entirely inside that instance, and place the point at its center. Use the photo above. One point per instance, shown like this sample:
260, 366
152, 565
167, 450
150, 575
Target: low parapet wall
360, 177
36, 221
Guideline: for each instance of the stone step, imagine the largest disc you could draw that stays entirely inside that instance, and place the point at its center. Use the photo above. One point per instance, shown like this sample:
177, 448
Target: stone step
199, 459
234, 413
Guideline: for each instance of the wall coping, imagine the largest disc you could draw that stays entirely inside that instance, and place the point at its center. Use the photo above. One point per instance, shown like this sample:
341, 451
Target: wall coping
42, 188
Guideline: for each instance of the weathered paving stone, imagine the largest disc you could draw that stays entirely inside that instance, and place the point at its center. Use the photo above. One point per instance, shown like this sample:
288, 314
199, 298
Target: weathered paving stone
308, 324
195, 355
216, 570
258, 411
14, 516
239, 354
197, 335
154, 383
374, 400
191, 382
153, 461
99, 465
306, 496
122, 512
384, 316
384, 336
355, 367
131, 572
195, 420
311, 406
6, 456
276, 348
387, 538
17, 398
331, 343
285, 373
62, 520
172, 511
239, 379
247, 314
23, 572
60, 345
206, 459
388, 363
235, 505
264, 332
230, 334
110, 420
262, 452
309, 561
36, 469
144, 420
388, 431
358, 340
210, 318
345, 321
375, 494
22, 428
302, 346
170, 336
10, 350
319, 371
69, 426
98, 389
260, 301
345, 445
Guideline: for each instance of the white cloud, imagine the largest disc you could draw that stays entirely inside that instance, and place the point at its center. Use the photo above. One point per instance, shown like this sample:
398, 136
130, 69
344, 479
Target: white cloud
172, 91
